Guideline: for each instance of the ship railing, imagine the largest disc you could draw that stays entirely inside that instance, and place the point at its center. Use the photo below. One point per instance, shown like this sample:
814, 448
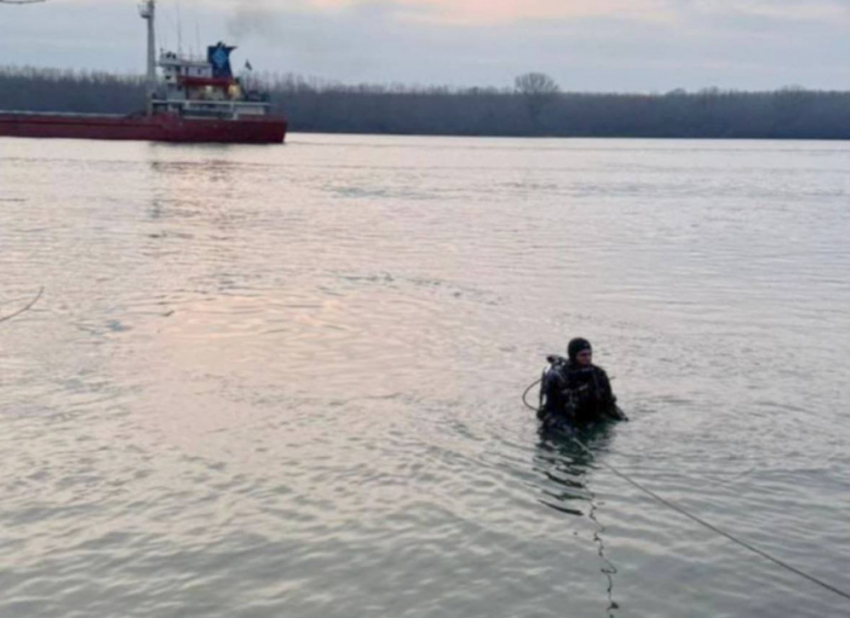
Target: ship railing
217, 109
210, 103
22, 112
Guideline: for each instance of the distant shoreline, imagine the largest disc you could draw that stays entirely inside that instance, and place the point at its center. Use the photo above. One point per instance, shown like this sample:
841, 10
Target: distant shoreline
572, 137
314, 107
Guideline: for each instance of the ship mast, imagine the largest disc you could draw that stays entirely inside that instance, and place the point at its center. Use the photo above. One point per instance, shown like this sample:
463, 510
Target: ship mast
147, 9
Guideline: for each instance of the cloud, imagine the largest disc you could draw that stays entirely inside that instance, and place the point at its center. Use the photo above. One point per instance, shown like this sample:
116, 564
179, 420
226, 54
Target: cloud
501, 12
610, 45
785, 10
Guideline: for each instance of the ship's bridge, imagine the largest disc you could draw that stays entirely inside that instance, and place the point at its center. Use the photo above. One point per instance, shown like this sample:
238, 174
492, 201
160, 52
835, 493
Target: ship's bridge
174, 66
190, 86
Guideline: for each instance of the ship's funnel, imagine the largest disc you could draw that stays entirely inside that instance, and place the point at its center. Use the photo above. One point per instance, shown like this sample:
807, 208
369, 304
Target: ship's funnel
219, 57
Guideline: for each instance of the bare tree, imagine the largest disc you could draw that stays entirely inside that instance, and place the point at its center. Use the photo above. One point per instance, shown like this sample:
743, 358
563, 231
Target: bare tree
539, 90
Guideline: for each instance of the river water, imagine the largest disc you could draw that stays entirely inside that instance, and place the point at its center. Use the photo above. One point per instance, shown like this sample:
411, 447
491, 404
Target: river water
285, 381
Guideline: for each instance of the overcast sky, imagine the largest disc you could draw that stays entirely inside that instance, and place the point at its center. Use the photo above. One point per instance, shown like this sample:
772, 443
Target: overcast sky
586, 45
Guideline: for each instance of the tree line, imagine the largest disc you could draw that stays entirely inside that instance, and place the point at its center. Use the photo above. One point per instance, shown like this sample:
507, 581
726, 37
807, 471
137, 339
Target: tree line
534, 106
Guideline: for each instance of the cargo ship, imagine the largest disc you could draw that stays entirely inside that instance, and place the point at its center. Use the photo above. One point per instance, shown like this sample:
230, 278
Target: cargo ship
194, 100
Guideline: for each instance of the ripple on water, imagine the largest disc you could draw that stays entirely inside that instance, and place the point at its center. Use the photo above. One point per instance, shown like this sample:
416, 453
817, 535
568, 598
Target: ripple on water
286, 381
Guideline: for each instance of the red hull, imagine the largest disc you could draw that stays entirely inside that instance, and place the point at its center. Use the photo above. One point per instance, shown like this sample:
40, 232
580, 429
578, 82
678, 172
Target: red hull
160, 128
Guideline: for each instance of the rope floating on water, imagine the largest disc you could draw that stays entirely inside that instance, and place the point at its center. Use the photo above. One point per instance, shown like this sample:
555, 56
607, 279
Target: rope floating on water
25, 309
695, 518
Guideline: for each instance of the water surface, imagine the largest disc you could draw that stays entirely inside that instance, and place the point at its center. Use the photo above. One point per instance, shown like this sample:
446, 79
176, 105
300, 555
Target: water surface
284, 381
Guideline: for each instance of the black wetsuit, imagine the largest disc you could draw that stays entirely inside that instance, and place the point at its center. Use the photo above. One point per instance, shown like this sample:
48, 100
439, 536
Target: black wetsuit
575, 394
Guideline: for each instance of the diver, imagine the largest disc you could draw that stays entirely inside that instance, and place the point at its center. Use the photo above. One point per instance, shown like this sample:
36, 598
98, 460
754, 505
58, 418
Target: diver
574, 391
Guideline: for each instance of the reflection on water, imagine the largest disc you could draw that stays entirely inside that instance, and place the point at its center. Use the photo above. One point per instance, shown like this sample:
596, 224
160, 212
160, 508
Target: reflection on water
565, 458
286, 381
